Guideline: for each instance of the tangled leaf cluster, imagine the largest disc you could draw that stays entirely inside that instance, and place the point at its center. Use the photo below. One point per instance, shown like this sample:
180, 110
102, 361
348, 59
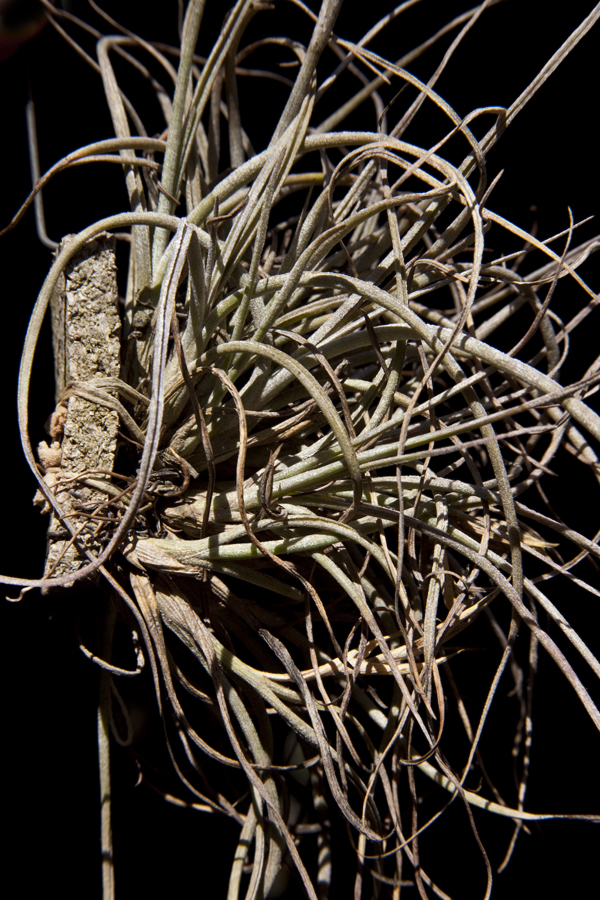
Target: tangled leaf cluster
324, 453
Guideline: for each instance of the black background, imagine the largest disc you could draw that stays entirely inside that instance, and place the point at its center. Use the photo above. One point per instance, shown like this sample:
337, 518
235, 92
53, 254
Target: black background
48, 688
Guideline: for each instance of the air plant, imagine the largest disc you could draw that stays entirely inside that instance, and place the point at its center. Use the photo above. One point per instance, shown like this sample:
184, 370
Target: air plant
296, 458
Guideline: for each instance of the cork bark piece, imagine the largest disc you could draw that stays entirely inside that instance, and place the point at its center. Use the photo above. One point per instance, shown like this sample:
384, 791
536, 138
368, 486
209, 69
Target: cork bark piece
86, 341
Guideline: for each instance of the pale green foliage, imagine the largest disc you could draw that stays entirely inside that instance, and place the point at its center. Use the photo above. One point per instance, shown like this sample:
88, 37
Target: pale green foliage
327, 384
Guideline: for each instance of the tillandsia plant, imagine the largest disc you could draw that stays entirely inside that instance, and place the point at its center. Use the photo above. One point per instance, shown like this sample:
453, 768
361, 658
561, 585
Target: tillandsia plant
294, 454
